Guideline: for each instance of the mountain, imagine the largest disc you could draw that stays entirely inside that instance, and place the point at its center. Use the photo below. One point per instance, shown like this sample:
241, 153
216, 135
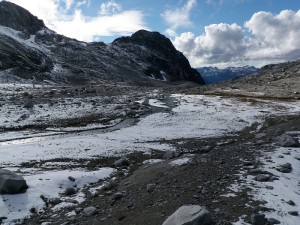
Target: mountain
213, 75
30, 51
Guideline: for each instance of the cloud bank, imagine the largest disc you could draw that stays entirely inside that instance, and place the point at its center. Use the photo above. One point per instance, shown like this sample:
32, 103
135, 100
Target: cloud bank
67, 18
266, 37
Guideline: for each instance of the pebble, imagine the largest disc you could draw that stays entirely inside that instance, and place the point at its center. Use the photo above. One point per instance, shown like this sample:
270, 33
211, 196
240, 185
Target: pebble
294, 213
54, 201
111, 185
117, 196
121, 162
273, 221
151, 187
262, 178
71, 179
290, 202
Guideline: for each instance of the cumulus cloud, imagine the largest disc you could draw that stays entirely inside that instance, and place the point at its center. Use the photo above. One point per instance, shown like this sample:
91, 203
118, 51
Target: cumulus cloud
178, 17
220, 43
274, 35
264, 38
111, 20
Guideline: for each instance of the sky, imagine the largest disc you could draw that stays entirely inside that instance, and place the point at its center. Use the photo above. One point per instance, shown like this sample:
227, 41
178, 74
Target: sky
209, 32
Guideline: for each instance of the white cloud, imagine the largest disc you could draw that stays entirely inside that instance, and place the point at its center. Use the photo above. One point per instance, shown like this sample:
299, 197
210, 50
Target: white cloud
82, 27
274, 35
179, 17
270, 38
110, 8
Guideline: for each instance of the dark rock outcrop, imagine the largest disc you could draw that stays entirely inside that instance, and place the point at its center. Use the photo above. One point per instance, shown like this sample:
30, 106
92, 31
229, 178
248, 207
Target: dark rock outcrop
30, 51
164, 61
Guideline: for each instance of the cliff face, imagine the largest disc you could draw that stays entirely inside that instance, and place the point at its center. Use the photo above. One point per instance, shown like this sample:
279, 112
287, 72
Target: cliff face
29, 50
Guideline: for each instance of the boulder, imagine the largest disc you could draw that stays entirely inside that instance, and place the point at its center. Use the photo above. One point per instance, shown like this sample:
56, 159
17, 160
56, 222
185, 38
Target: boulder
11, 183
286, 140
190, 215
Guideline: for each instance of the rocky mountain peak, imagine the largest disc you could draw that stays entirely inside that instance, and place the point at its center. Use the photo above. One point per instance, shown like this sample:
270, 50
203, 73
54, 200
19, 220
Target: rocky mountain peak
163, 58
152, 40
18, 18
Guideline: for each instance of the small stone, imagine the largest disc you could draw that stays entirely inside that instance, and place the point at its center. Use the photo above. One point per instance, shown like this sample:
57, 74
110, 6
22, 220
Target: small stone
90, 211
290, 202
69, 200
285, 168
111, 185
169, 155
286, 140
294, 213
70, 191
117, 196
262, 178
258, 219
151, 187
121, 162
130, 205
260, 135
270, 187
71, 179
54, 201
273, 221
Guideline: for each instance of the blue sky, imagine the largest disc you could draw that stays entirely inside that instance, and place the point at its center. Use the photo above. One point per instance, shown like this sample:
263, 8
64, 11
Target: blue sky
209, 32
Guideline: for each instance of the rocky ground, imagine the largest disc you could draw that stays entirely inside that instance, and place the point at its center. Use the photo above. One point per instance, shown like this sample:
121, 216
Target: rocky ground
147, 188
148, 193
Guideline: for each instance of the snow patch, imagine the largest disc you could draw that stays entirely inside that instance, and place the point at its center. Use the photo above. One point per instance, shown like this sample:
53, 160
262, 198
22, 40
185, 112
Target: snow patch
50, 184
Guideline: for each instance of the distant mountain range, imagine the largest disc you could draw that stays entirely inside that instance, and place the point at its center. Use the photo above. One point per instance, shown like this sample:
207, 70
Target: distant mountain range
212, 75
29, 51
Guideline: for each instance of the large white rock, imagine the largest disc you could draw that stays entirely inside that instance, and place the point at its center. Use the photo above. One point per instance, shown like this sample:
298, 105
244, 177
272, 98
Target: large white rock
190, 215
11, 183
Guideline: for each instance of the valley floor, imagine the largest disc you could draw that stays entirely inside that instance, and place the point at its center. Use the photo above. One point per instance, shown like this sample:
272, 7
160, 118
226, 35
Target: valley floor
175, 149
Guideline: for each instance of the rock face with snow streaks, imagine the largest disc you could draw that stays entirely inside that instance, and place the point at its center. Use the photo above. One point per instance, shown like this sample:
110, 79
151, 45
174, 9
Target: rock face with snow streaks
30, 51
